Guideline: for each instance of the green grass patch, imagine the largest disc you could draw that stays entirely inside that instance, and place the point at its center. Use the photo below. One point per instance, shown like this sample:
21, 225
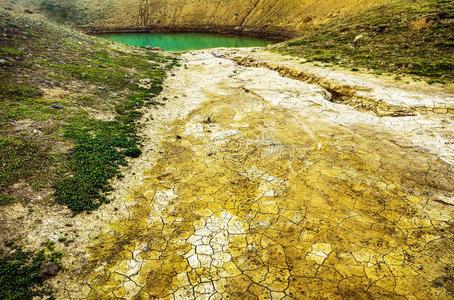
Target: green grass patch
6, 199
35, 109
95, 75
21, 273
17, 92
101, 149
19, 159
9, 51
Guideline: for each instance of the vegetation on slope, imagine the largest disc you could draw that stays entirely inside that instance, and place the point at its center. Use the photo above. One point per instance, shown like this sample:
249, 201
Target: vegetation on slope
22, 273
69, 105
406, 37
68, 110
69, 10
75, 12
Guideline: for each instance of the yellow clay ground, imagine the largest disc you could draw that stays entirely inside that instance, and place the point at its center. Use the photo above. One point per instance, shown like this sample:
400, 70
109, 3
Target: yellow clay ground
262, 195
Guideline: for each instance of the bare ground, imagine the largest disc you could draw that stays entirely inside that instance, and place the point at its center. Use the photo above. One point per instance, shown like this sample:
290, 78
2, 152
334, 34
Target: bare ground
255, 184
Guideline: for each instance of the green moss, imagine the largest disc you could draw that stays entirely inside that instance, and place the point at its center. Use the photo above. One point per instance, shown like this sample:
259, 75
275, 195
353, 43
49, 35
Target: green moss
99, 80
20, 273
101, 148
31, 109
6, 199
10, 51
19, 159
17, 92
95, 75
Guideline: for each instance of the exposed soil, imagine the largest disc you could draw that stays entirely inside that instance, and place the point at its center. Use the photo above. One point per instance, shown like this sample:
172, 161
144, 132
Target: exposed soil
254, 185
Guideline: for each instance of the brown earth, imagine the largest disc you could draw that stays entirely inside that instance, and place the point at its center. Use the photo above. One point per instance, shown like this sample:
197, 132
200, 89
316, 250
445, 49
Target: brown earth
282, 17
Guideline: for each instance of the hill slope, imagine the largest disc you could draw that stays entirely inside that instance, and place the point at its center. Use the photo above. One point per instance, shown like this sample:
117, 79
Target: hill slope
69, 104
403, 37
61, 90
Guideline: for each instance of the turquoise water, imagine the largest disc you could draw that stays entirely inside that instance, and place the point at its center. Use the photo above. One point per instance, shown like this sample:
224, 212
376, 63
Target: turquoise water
185, 41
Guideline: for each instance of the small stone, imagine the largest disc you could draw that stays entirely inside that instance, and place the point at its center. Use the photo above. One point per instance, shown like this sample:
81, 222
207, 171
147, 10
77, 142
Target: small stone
57, 106
48, 270
358, 38
2, 61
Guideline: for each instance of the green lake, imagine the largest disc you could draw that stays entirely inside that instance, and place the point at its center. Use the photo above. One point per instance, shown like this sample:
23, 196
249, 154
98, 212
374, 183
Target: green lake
185, 41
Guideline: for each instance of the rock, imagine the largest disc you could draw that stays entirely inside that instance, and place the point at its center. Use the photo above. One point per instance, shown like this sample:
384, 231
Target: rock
208, 120
2, 61
37, 131
48, 270
358, 38
153, 48
146, 83
57, 106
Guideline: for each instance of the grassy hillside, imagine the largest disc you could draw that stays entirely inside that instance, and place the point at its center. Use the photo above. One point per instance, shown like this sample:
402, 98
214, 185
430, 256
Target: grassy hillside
69, 104
68, 109
402, 37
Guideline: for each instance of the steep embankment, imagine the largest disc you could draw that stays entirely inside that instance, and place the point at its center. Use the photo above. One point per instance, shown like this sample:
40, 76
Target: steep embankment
267, 17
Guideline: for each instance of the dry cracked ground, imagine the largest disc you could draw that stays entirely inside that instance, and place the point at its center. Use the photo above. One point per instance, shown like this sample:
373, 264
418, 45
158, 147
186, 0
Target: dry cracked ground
257, 185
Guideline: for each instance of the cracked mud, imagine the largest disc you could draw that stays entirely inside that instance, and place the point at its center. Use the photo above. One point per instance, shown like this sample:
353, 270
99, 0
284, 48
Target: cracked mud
261, 188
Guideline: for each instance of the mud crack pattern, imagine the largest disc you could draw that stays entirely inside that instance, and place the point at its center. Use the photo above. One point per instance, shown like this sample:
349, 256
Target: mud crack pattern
265, 191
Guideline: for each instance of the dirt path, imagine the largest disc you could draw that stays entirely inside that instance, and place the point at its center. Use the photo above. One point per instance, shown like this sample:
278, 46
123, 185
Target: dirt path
254, 185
